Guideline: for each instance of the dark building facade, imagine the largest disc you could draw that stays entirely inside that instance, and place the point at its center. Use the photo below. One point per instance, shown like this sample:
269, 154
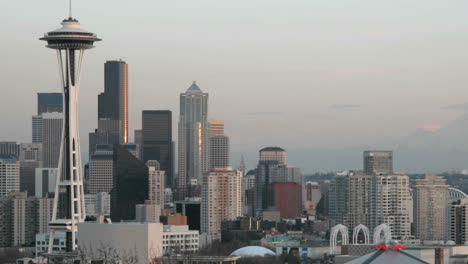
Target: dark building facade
130, 184
157, 141
191, 208
113, 102
49, 102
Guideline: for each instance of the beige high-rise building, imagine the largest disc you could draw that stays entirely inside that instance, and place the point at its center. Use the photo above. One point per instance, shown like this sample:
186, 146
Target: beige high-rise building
44, 207
221, 200
156, 183
216, 127
219, 145
101, 168
9, 174
430, 207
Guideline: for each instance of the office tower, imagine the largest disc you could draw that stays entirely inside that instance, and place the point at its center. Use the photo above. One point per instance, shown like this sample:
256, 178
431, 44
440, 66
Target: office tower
156, 137
52, 124
286, 197
9, 174
378, 162
191, 208
97, 205
130, 184
430, 207
156, 178
70, 41
338, 194
221, 200
37, 129
30, 160
45, 181
285, 173
107, 133
268, 157
113, 102
459, 221
193, 138
49, 103
138, 137
101, 166
219, 145
10, 147
311, 196
44, 208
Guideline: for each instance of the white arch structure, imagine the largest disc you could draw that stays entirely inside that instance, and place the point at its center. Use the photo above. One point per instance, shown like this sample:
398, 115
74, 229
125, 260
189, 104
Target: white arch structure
364, 230
387, 233
334, 236
456, 194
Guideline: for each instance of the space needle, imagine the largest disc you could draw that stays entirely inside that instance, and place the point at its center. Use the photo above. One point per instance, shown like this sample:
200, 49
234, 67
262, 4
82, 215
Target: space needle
70, 41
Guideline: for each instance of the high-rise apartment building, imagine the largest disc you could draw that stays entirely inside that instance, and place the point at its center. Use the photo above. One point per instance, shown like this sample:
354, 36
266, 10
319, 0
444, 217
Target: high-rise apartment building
430, 208
459, 221
221, 200
156, 178
193, 138
338, 197
49, 103
157, 141
378, 162
9, 174
219, 145
52, 124
44, 208
113, 102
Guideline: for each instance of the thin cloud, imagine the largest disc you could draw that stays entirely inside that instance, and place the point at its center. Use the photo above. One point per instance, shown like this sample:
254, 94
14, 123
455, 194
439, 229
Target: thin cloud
458, 107
264, 113
346, 106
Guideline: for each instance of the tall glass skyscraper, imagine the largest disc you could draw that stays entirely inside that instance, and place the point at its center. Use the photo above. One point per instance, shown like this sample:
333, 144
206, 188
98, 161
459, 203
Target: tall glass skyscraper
113, 102
157, 140
193, 137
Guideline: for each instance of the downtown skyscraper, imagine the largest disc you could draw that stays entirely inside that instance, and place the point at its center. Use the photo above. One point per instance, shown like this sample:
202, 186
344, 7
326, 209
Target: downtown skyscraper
156, 141
193, 137
113, 102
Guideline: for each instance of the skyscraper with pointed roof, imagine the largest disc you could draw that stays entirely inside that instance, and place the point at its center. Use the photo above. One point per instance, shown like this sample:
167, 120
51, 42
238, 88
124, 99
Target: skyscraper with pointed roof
193, 138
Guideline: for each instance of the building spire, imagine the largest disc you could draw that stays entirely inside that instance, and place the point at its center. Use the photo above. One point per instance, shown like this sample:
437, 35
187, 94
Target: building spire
70, 8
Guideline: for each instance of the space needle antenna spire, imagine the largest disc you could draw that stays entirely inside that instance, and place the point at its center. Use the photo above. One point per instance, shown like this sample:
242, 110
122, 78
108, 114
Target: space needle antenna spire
70, 8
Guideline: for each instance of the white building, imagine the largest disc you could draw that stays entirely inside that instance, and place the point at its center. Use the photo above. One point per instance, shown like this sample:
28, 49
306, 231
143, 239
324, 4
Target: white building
98, 204
45, 181
179, 239
156, 183
9, 174
221, 200
168, 196
42, 242
128, 239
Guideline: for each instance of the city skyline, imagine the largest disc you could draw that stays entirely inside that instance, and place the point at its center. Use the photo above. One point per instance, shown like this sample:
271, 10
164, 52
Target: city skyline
344, 86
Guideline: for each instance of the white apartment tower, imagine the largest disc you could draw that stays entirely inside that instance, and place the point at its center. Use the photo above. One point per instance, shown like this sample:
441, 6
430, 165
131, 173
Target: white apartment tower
193, 137
430, 207
221, 200
156, 183
219, 145
9, 174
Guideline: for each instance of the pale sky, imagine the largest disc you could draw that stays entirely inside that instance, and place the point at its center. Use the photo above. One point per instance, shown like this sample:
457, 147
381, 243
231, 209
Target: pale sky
298, 74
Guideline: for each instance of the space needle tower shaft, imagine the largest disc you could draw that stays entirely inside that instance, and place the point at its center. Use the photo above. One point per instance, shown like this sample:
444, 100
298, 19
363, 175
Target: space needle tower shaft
70, 41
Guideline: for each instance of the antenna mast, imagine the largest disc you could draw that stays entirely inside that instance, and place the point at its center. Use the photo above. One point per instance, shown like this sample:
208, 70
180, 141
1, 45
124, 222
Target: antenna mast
70, 9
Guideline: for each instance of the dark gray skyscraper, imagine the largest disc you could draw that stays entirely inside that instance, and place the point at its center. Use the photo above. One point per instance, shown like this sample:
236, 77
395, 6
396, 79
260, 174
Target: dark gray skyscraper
49, 102
157, 140
378, 162
113, 102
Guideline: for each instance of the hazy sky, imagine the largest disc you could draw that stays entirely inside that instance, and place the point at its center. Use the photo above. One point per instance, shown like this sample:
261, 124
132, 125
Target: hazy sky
297, 73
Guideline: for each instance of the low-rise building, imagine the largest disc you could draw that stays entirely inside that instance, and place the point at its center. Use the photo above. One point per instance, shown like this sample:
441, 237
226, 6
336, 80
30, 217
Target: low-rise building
179, 239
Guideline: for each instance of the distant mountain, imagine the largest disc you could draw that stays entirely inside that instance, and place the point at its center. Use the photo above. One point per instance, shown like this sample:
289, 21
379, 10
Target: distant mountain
422, 151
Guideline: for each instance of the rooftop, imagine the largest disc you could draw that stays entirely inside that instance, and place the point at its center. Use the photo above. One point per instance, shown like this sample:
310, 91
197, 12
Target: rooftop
272, 149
